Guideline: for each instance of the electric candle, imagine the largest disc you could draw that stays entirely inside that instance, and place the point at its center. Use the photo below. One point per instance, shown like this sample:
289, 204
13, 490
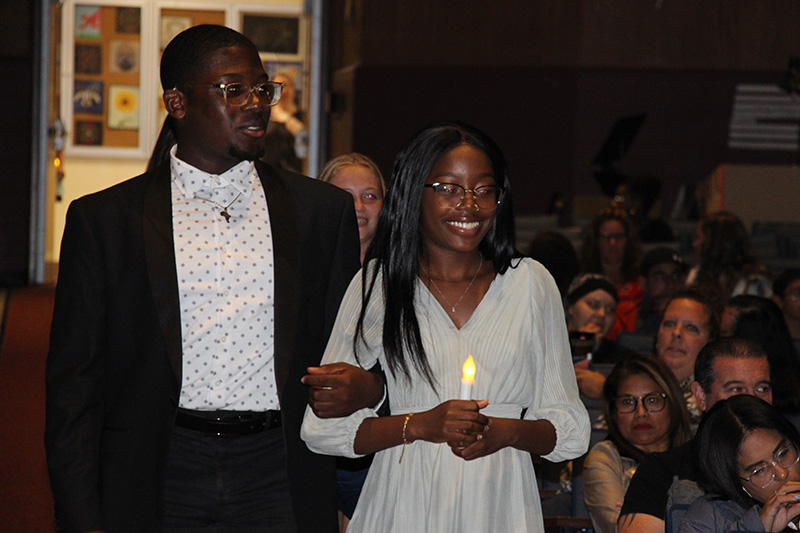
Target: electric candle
467, 379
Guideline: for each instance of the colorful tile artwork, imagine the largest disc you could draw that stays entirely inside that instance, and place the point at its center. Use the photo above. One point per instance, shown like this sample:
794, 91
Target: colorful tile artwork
87, 22
88, 59
123, 107
88, 133
128, 20
88, 97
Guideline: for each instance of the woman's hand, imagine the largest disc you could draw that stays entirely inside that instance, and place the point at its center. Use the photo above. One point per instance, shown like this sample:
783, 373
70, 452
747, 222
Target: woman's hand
590, 383
781, 507
456, 421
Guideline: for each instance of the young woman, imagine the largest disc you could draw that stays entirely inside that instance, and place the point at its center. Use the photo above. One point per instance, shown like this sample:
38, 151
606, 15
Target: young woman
747, 456
644, 410
360, 176
442, 282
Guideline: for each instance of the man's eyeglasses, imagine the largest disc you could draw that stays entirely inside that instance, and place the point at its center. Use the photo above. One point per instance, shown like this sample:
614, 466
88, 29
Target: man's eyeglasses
763, 475
238, 94
452, 195
653, 402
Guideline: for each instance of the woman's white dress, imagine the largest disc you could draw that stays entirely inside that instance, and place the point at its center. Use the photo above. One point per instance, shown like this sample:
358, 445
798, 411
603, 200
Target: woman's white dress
518, 339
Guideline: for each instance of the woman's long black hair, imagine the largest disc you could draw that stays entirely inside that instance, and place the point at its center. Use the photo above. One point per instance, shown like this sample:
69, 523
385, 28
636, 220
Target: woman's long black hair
396, 248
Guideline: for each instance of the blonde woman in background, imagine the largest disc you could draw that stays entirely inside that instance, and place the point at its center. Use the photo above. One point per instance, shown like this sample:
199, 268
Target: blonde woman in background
360, 176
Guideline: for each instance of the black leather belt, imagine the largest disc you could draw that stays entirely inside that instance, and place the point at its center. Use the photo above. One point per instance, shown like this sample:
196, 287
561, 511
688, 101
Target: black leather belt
228, 423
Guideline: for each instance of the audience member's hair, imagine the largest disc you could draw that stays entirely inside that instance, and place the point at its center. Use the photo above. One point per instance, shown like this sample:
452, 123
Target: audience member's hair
653, 368
555, 251
705, 297
734, 347
397, 245
337, 164
590, 250
761, 320
725, 253
783, 280
719, 436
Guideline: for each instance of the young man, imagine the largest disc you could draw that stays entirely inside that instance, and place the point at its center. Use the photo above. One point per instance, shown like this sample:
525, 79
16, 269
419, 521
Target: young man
724, 367
190, 301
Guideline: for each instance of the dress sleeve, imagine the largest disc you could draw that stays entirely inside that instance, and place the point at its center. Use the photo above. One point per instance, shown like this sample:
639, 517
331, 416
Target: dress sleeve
336, 436
603, 485
559, 403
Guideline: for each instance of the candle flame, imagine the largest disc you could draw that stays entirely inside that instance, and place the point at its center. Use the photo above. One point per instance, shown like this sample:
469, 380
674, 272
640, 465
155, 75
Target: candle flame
469, 369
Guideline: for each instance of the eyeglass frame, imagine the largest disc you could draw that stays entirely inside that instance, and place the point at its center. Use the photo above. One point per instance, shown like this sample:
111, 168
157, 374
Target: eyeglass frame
251, 89
641, 399
773, 464
464, 195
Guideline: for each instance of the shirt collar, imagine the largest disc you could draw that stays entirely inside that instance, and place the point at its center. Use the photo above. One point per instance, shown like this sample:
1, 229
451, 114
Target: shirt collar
191, 180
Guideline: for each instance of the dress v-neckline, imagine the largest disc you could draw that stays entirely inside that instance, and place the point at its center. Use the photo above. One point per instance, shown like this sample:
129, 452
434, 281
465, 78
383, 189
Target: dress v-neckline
442, 309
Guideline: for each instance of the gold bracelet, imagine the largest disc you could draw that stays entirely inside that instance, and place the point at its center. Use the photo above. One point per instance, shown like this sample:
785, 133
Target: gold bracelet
405, 441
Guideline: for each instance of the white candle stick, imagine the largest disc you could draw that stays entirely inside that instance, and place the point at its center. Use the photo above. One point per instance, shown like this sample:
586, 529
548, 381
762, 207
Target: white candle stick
467, 379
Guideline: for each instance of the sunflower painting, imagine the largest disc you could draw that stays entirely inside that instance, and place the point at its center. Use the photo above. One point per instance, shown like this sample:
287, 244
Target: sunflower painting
123, 110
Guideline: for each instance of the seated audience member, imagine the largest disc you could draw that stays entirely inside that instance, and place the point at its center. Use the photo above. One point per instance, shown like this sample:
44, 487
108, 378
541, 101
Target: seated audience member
555, 251
689, 321
786, 293
644, 409
610, 247
725, 367
724, 260
747, 456
360, 176
589, 307
760, 319
663, 274
636, 197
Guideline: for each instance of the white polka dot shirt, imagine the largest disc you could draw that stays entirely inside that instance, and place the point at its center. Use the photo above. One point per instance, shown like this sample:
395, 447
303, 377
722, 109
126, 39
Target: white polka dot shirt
225, 279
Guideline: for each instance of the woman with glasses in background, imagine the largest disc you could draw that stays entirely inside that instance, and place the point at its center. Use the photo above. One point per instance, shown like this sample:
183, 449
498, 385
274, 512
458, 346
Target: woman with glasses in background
747, 456
442, 281
611, 248
644, 409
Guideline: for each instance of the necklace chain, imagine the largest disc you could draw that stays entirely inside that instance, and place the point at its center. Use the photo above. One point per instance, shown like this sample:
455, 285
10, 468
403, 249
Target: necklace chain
435, 286
224, 213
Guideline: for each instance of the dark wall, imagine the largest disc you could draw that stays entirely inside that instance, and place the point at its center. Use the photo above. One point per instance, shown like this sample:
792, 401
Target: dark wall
16, 110
551, 122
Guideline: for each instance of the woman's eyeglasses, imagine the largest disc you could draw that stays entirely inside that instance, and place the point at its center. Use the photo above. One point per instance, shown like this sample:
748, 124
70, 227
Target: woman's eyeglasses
452, 195
652, 403
764, 474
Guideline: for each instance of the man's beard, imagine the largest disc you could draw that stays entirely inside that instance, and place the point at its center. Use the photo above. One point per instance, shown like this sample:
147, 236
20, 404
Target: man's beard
243, 155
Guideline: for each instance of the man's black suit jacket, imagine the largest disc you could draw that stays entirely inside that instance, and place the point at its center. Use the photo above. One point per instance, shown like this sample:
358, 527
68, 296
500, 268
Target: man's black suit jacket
114, 367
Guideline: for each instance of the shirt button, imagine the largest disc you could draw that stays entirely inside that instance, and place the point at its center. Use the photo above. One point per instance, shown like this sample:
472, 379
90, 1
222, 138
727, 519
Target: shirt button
225, 293
218, 383
223, 339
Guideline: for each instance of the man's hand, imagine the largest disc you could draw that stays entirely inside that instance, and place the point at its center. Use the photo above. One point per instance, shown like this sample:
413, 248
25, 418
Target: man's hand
340, 389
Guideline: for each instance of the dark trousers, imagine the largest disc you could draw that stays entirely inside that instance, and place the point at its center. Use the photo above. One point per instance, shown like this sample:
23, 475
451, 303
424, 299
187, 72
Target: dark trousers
222, 484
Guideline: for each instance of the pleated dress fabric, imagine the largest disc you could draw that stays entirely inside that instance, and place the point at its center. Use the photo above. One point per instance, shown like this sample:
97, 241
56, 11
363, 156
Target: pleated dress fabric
517, 337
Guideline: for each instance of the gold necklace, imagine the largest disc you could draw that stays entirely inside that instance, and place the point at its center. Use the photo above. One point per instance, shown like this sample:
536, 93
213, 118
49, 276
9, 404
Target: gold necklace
224, 211
435, 286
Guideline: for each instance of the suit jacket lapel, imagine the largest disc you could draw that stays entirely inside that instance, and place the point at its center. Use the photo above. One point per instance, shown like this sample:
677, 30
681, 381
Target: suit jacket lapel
159, 251
285, 249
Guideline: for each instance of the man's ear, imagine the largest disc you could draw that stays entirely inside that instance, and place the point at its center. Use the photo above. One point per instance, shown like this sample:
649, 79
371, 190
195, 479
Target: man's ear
174, 101
700, 395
